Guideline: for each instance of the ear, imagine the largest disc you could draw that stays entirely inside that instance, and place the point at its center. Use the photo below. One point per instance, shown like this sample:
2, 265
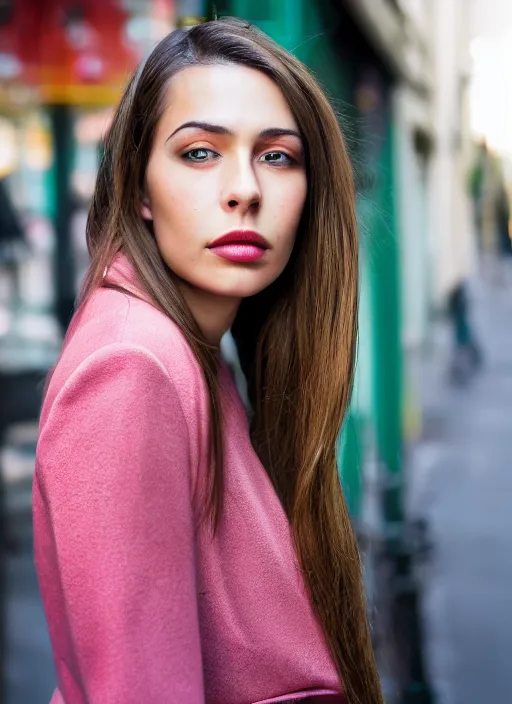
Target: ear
145, 208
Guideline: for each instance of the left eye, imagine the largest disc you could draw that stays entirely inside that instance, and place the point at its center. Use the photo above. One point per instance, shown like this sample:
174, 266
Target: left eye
277, 158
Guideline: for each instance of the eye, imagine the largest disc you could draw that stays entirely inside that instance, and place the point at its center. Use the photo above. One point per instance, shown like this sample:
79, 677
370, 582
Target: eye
200, 154
277, 158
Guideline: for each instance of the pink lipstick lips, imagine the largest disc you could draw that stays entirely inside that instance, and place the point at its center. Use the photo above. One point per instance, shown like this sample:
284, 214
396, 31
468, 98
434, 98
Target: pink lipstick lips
242, 246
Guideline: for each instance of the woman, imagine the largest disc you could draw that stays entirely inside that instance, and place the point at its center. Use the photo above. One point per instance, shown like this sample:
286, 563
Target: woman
180, 558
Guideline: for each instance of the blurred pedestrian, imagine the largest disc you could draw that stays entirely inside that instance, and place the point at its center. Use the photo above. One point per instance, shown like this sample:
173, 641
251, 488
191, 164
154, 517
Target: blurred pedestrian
504, 241
12, 235
466, 355
478, 179
491, 211
13, 245
181, 558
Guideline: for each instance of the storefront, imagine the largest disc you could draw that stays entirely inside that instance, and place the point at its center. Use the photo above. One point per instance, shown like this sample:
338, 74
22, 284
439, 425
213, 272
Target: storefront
63, 67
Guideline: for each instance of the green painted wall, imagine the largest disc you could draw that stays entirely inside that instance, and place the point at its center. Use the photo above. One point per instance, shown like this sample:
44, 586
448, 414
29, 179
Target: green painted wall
384, 274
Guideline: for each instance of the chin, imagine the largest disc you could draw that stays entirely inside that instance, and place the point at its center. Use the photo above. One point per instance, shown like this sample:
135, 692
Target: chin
237, 292
244, 287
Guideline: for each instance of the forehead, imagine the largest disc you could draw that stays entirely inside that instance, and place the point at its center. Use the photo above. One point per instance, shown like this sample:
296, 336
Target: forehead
236, 97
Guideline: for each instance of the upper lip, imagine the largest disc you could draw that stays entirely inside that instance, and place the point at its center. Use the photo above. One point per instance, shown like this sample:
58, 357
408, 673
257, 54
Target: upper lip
241, 237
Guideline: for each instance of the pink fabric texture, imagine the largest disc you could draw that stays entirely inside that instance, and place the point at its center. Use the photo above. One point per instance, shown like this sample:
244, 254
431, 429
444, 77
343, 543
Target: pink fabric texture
143, 605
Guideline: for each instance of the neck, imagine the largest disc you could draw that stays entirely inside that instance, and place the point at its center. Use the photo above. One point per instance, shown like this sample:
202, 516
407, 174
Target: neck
214, 314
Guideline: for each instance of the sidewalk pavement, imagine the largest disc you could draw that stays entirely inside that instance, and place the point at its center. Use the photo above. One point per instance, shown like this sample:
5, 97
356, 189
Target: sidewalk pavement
29, 345
462, 483
29, 666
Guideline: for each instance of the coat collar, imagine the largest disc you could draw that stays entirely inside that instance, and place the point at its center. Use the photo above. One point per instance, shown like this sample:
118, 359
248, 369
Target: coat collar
122, 272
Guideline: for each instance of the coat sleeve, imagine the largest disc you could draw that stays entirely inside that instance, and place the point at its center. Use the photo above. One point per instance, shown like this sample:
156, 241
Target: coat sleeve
114, 535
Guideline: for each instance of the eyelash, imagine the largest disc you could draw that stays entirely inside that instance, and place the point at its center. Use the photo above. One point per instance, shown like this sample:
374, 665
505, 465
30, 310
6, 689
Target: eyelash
187, 156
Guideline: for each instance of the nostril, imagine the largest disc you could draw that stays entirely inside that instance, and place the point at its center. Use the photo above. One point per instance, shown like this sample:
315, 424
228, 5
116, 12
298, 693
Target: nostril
232, 203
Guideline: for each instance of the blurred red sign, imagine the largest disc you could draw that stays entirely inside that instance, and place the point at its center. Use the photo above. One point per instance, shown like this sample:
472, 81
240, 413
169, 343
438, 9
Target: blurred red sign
72, 51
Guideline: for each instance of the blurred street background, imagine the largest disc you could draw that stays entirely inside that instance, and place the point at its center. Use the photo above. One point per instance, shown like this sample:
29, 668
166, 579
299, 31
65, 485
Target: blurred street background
423, 90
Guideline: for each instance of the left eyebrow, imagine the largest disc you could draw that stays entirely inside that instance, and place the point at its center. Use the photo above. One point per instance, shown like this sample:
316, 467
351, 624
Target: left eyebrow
219, 129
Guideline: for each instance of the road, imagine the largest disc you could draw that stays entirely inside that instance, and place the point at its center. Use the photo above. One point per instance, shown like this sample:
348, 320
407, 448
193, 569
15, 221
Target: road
466, 479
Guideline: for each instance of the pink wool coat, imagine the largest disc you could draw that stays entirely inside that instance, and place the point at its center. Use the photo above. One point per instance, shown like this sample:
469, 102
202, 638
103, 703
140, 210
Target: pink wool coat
143, 605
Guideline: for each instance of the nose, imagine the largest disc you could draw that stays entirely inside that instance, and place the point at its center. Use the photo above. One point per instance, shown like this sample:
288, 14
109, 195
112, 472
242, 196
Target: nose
242, 191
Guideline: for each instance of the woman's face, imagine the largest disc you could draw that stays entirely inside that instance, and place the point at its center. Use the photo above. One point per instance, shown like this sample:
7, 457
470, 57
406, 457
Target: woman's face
227, 161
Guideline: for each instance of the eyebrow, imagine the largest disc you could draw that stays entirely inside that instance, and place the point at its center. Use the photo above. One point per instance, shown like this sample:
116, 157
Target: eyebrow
219, 129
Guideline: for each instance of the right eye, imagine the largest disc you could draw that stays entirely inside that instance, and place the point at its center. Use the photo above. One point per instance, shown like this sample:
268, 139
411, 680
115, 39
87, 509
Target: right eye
200, 154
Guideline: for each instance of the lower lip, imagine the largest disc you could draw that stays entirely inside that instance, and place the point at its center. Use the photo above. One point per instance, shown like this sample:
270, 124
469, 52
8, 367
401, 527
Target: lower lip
241, 253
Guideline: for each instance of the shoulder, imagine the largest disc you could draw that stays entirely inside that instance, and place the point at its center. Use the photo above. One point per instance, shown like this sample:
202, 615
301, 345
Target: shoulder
119, 389
126, 373
114, 316
115, 336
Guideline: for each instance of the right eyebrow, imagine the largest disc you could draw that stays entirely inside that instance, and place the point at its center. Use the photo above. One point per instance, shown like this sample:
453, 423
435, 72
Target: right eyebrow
205, 126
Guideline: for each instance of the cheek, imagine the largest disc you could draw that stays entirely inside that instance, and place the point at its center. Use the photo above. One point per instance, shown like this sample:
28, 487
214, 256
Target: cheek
287, 210
298, 197
177, 200
179, 204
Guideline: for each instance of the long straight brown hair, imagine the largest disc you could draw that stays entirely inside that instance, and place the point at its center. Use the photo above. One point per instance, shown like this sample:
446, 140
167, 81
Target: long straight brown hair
296, 339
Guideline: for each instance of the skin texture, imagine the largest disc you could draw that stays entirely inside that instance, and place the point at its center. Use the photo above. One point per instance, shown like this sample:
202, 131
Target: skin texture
201, 184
